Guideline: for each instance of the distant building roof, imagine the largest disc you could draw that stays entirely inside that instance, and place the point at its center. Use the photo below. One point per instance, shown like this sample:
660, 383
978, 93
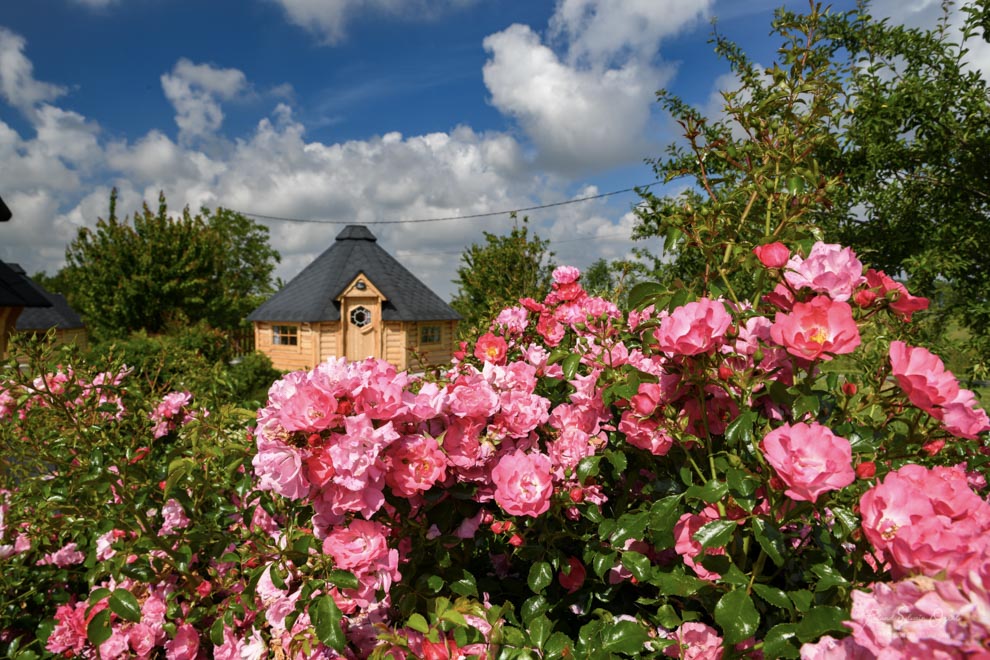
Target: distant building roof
57, 315
312, 295
16, 290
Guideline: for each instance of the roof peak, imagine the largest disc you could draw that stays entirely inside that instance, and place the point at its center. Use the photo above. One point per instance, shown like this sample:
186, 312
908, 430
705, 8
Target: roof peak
356, 233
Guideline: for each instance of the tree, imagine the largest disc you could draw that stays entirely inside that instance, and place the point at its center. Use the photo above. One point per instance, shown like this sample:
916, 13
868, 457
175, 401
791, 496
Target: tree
153, 270
497, 274
869, 134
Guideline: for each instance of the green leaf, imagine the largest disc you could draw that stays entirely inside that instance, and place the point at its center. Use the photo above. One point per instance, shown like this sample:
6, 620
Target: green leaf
644, 294
820, 620
98, 628
603, 562
588, 467
325, 615
770, 539
627, 637
540, 576
178, 469
570, 365
773, 596
711, 492
808, 404
125, 605
342, 579
737, 616
558, 645
629, 526
418, 623
533, 607
663, 516
539, 630
466, 586
453, 616
781, 642
637, 564
741, 484
801, 598
739, 432
715, 534
828, 577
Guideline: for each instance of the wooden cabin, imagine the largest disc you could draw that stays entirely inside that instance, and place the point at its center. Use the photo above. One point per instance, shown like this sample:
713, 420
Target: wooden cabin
355, 301
17, 293
67, 325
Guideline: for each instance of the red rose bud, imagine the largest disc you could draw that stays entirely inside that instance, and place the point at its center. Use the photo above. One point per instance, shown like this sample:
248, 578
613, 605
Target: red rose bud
724, 372
933, 447
849, 389
866, 470
516, 541
864, 297
577, 494
772, 255
572, 577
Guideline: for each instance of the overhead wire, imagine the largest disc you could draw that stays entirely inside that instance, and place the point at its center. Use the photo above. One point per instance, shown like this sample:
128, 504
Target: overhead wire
471, 216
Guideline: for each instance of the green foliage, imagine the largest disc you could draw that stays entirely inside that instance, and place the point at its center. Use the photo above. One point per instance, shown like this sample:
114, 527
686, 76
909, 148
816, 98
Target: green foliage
497, 274
865, 133
153, 271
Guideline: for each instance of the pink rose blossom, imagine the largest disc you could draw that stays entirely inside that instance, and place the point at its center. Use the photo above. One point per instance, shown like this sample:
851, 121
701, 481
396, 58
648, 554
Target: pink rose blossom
695, 641
520, 412
279, 468
184, 645
68, 555
810, 459
414, 464
695, 328
880, 285
816, 329
470, 395
962, 418
522, 483
923, 377
490, 348
645, 433
566, 275
513, 320
829, 268
174, 517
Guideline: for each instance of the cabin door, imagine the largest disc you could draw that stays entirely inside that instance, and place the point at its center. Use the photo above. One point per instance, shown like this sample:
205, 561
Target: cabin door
361, 324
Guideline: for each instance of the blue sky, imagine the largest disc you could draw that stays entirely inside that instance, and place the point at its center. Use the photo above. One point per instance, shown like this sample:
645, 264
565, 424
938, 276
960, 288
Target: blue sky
355, 111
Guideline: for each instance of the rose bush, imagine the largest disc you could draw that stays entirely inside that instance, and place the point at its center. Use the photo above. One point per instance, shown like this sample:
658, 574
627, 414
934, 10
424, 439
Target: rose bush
675, 480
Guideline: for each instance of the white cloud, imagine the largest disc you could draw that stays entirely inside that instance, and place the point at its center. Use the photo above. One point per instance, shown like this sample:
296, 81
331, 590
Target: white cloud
18, 86
329, 18
598, 31
195, 91
592, 105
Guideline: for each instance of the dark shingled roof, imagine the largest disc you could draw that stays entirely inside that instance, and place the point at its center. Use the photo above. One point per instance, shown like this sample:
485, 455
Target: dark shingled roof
312, 294
16, 290
57, 315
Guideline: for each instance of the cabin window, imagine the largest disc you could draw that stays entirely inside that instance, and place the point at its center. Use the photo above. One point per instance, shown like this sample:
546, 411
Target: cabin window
285, 335
429, 334
360, 316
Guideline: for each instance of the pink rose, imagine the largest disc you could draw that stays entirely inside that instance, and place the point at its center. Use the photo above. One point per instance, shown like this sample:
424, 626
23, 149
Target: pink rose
572, 576
566, 275
490, 348
816, 329
923, 377
695, 641
279, 468
361, 547
414, 463
962, 418
829, 269
772, 255
520, 412
896, 294
185, 644
522, 483
689, 549
471, 396
645, 433
810, 459
694, 328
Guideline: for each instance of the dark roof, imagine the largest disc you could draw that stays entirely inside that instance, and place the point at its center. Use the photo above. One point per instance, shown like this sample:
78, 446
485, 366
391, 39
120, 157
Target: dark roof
312, 294
16, 290
57, 315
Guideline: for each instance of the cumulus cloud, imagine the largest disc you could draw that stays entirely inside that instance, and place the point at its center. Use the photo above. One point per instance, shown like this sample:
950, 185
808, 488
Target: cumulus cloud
18, 87
328, 19
590, 105
195, 91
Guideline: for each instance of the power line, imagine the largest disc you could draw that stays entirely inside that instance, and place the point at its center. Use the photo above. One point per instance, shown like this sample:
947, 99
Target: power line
472, 216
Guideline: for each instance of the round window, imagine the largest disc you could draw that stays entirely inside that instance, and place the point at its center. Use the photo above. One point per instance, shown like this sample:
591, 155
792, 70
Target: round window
360, 316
